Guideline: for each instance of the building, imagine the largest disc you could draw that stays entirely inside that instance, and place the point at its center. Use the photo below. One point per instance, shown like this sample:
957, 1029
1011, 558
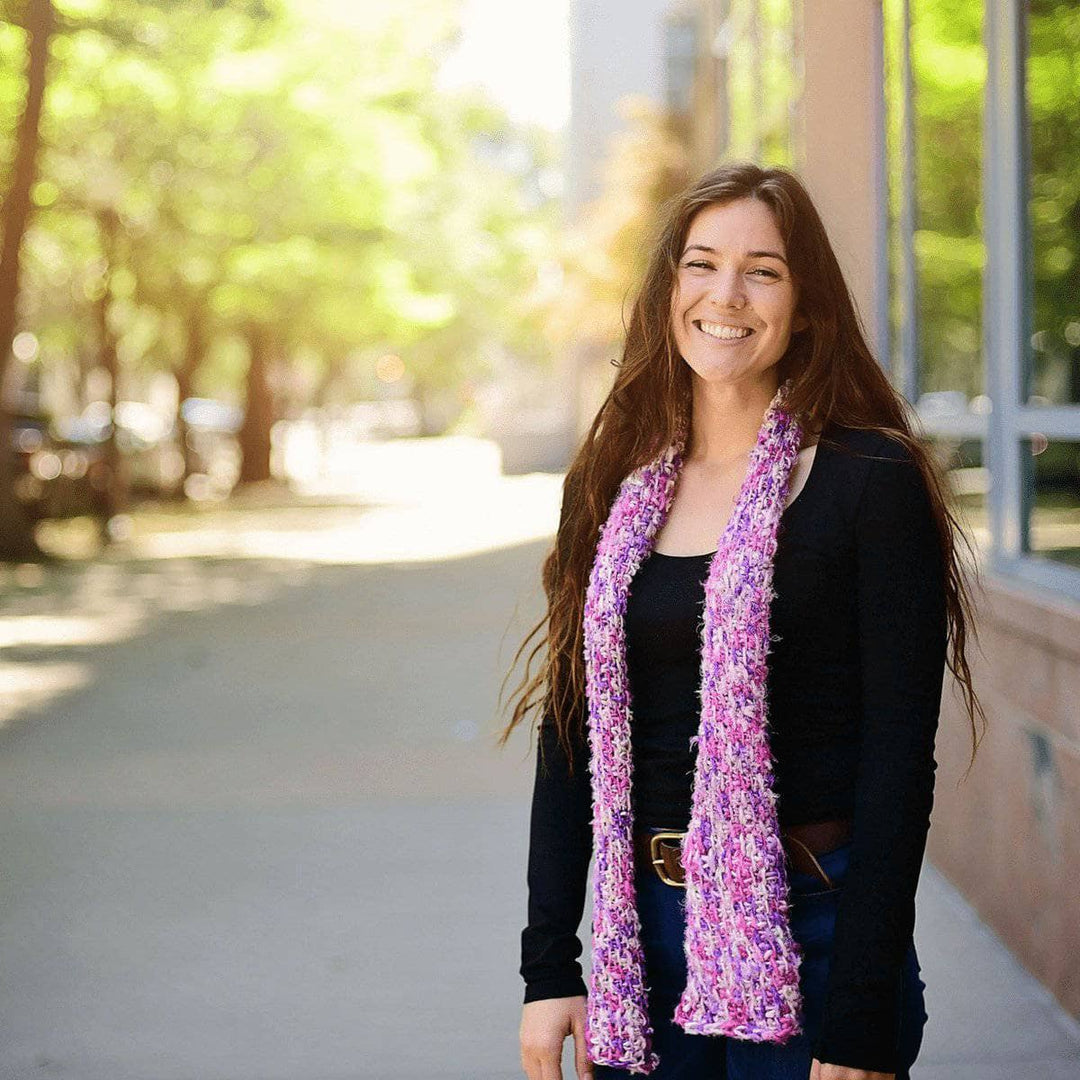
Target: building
938, 138
615, 50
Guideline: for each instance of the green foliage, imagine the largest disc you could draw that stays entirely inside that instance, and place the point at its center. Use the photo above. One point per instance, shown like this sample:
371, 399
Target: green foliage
210, 165
949, 73
762, 81
1053, 93
605, 256
949, 69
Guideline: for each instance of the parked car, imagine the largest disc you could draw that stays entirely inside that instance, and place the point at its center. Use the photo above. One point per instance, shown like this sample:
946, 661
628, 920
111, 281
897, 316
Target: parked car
213, 446
148, 445
36, 462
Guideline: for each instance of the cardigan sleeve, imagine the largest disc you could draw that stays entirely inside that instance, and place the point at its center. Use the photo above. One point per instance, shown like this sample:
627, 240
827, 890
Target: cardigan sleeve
560, 849
902, 632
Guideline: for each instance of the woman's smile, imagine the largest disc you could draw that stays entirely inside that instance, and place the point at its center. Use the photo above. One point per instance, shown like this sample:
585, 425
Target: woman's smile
724, 332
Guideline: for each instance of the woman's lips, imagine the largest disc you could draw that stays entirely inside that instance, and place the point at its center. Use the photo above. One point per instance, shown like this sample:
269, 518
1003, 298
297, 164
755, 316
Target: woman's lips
725, 339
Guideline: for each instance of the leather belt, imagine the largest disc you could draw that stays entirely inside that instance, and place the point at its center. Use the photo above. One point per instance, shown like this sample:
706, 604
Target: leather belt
659, 848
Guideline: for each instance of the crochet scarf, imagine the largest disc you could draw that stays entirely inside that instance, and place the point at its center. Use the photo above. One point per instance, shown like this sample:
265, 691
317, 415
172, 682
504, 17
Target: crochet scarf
742, 961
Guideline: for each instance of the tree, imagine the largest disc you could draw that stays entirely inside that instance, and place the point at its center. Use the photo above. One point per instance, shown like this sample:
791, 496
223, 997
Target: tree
238, 193
37, 19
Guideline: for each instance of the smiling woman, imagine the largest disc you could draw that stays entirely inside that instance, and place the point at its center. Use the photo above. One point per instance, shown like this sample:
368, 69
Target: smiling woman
741, 688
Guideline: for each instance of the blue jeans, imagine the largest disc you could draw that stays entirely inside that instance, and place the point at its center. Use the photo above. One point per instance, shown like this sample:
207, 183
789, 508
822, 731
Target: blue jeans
714, 1057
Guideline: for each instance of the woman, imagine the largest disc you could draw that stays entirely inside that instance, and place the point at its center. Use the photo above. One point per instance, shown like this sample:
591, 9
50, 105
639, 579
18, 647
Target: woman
753, 899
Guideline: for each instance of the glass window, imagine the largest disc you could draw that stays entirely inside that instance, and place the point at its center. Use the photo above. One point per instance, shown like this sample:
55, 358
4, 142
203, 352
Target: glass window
949, 74
1053, 104
680, 48
758, 40
969, 478
935, 82
1053, 512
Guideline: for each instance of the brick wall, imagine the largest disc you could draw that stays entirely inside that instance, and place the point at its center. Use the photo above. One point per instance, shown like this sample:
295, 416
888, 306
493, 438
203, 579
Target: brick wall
1008, 836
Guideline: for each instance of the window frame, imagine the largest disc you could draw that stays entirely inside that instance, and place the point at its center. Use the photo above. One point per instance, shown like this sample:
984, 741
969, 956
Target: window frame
1007, 303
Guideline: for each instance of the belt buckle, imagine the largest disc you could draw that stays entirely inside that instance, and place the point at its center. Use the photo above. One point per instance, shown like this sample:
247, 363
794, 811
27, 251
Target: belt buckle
658, 860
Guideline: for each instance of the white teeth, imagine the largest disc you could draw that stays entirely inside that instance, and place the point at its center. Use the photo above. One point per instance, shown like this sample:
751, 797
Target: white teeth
728, 333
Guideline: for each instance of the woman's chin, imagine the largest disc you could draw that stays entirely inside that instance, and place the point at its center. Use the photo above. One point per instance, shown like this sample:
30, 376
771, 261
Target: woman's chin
719, 370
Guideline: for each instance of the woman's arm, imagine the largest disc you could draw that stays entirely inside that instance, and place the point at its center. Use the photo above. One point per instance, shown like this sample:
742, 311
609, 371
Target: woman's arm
560, 847
902, 630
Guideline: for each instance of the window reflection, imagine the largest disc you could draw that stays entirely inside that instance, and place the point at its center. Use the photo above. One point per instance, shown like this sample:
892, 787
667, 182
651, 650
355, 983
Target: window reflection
969, 480
1053, 102
755, 40
948, 60
1053, 483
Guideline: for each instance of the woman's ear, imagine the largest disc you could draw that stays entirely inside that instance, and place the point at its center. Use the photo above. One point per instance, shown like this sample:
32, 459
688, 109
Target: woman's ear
800, 322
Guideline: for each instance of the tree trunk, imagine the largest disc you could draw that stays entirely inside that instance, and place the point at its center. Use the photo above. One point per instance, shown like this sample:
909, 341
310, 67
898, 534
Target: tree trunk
194, 350
259, 413
114, 499
16, 529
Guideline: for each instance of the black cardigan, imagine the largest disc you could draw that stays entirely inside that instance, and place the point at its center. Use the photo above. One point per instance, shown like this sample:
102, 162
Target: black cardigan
854, 688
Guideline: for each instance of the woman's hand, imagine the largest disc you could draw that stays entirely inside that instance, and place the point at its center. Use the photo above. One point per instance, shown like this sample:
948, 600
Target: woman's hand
842, 1072
544, 1026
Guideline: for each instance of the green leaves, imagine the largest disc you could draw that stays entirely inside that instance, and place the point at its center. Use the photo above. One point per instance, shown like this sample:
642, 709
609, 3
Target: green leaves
290, 164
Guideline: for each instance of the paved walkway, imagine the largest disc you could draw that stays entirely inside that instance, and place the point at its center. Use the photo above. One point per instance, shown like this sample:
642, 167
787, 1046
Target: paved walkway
252, 827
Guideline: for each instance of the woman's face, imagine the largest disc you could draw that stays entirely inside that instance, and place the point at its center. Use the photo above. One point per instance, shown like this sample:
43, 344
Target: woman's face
733, 306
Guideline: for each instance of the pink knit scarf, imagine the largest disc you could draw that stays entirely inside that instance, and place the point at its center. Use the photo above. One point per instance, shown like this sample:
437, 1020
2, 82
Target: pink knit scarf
742, 961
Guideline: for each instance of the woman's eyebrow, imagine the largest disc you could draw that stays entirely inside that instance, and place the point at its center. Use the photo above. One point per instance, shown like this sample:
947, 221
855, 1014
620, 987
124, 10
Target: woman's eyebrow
749, 254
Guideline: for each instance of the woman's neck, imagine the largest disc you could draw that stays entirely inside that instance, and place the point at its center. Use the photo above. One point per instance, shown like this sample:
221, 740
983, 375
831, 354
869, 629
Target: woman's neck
726, 419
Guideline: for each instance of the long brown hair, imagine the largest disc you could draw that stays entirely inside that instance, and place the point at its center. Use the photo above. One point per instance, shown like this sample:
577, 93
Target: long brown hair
835, 378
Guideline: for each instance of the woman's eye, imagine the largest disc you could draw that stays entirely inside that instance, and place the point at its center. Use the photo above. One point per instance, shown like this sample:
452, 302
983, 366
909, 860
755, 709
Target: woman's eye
700, 264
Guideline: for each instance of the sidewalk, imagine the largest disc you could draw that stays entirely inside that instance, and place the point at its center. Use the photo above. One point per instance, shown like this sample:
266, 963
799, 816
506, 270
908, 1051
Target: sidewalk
989, 1018
252, 826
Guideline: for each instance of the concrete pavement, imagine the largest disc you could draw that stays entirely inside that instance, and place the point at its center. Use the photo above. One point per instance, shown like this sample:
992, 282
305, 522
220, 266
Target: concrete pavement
258, 831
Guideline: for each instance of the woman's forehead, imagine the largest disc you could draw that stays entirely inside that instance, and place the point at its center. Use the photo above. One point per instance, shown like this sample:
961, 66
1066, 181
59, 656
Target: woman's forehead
743, 225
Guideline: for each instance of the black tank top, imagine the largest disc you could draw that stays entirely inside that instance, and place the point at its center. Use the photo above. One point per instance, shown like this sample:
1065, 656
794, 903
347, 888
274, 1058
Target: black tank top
664, 613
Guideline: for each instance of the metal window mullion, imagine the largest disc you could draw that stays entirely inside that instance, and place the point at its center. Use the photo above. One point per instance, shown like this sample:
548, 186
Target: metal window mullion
1056, 422
880, 181
757, 81
1055, 577
909, 274
1005, 231
1008, 301
798, 81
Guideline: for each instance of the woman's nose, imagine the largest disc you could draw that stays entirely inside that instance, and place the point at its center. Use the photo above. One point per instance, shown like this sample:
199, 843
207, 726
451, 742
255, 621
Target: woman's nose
727, 291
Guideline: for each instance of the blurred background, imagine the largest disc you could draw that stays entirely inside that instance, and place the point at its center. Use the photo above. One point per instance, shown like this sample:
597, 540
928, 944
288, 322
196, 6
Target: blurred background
303, 309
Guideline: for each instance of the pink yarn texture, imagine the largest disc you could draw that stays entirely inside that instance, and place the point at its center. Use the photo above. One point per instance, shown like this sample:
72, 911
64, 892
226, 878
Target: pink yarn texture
742, 961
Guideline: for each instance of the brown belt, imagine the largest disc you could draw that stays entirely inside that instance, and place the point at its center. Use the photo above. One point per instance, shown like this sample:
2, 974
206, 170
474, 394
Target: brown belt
659, 848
